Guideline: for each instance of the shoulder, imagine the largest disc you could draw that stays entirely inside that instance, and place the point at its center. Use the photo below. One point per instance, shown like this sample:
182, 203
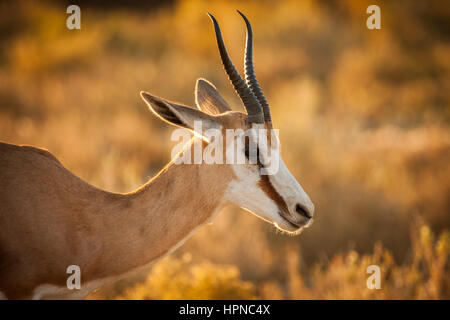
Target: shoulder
7, 148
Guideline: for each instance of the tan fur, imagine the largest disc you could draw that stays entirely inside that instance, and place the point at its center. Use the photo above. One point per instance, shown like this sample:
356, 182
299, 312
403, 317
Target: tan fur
50, 219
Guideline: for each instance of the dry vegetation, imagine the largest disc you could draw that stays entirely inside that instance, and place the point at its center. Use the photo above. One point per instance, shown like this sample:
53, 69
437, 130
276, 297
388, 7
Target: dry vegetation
363, 117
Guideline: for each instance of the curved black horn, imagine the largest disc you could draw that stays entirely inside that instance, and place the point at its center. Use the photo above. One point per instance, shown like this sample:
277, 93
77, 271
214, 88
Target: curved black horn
250, 76
251, 103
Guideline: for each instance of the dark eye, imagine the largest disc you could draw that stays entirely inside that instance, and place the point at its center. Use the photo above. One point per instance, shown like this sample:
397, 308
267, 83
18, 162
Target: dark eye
247, 151
247, 147
247, 155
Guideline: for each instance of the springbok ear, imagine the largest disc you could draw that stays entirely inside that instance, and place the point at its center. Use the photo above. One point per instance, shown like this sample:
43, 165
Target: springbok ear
179, 115
208, 99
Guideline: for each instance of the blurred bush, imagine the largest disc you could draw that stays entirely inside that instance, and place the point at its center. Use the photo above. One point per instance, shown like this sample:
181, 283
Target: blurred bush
422, 276
182, 279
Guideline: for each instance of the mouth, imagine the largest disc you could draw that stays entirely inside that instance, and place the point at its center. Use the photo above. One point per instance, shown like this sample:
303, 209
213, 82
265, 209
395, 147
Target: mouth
297, 225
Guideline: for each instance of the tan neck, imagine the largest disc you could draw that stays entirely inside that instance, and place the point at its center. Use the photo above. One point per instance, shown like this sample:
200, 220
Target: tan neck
146, 224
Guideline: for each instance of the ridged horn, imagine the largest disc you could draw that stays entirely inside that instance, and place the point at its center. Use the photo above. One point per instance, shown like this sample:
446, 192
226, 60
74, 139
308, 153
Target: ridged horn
250, 76
251, 103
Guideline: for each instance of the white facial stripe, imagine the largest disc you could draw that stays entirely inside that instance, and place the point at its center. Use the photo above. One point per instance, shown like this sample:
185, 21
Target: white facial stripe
289, 189
284, 182
246, 192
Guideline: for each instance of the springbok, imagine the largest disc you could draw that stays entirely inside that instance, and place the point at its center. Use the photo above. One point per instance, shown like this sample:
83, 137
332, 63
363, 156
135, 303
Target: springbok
51, 219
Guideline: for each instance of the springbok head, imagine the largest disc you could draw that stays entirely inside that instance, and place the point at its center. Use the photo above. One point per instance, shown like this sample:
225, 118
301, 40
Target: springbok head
263, 184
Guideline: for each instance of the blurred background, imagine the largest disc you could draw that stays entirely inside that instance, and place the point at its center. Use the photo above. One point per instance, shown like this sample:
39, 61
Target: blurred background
363, 116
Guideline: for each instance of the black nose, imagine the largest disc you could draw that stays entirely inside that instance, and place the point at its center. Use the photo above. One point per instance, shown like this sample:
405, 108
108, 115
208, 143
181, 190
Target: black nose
301, 210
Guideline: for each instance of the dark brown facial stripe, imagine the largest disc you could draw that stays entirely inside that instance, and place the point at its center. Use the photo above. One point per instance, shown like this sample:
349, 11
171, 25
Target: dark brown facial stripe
270, 191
